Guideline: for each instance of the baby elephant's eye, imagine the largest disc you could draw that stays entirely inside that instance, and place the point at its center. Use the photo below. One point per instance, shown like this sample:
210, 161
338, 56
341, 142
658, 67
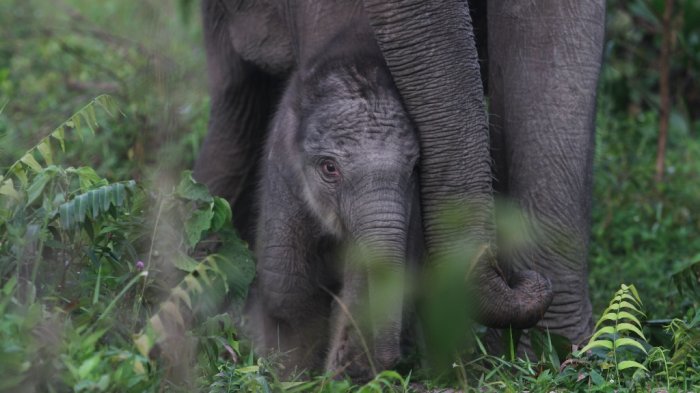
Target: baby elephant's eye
330, 170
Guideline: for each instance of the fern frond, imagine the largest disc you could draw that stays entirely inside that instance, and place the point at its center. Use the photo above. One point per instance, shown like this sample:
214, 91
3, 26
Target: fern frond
619, 329
200, 293
29, 163
93, 203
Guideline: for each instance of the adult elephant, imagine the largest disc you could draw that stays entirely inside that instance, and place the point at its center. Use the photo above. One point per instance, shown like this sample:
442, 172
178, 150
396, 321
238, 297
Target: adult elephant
544, 58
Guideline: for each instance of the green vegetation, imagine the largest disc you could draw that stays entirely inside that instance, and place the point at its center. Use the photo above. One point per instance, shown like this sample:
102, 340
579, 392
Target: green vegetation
106, 243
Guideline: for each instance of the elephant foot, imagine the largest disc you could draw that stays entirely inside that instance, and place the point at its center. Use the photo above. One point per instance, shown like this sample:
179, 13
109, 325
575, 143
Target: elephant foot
349, 357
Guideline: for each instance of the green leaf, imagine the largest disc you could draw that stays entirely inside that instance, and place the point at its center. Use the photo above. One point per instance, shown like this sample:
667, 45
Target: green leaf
248, 370
88, 178
31, 162
88, 365
624, 327
7, 188
191, 190
222, 214
198, 223
44, 148
20, 174
59, 135
625, 364
623, 304
38, 184
83, 202
607, 344
626, 341
94, 202
103, 198
596, 378
603, 330
65, 211
634, 292
619, 316
628, 296
182, 295
121, 194
185, 263
108, 104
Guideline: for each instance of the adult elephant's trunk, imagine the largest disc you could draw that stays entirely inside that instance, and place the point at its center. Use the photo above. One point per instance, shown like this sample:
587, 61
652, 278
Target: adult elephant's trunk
430, 50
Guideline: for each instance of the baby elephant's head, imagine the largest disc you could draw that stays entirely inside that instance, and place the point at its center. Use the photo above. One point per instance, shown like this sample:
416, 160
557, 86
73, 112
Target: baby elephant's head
358, 150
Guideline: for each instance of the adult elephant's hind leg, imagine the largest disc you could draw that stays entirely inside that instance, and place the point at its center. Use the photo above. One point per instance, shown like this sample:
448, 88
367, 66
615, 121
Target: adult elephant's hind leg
544, 62
243, 98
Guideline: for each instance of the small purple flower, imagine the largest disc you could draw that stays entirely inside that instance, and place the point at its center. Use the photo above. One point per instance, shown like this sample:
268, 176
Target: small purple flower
139, 266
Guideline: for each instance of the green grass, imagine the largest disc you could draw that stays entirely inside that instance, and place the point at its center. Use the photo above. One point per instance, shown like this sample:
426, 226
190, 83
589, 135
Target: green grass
109, 283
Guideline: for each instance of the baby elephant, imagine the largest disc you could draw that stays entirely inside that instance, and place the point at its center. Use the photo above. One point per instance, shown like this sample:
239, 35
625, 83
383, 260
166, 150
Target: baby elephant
339, 218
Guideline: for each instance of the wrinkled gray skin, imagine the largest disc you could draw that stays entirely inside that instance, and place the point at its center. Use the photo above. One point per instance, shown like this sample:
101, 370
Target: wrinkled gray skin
337, 174
543, 62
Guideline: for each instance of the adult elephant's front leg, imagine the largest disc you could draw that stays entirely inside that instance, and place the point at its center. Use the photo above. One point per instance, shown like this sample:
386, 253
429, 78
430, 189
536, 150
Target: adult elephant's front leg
544, 62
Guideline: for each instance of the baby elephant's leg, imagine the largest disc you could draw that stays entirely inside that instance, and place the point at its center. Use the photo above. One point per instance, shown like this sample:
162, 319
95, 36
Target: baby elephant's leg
293, 309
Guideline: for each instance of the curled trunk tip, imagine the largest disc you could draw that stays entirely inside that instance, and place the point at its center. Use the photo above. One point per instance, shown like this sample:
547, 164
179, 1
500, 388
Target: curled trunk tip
519, 305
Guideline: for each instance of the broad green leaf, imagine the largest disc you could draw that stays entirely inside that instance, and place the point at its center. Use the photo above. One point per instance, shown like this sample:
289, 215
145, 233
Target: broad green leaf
634, 292
185, 263
103, 382
44, 148
7, 187
108, 104
603, 330
20, 174
623, 304
596, 378
76, 125
88, 178
65, 211
9, 286
88, 114
37, 187
624, 327
199, 222
191, 190
626, 295
82, 202
625, 364
173, 312
31, 162
618, 316
88, 365
59, 135
182, 295
248, 370
103, 198
94, 200
629, 342
607, 344
121, 194
222, 213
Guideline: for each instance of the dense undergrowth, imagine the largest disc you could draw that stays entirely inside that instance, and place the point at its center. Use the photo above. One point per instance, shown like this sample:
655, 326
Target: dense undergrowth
107, 245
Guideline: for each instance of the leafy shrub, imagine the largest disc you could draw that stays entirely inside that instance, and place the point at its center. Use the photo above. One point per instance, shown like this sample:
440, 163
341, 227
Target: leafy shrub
70, 247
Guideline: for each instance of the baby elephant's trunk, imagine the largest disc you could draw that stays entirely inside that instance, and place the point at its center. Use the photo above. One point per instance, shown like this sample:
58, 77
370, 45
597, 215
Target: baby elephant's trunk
374, 273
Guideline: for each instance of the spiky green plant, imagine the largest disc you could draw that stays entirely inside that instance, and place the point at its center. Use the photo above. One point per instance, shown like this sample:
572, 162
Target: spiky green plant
618, 332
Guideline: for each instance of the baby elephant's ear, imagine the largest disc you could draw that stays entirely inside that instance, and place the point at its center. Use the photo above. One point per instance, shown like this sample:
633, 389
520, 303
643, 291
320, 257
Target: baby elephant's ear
284, 132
